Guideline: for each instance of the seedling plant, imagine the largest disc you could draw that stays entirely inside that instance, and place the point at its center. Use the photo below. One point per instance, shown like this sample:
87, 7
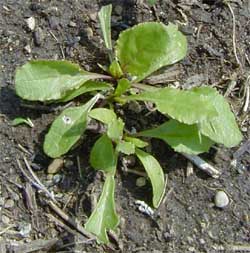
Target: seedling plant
196, 118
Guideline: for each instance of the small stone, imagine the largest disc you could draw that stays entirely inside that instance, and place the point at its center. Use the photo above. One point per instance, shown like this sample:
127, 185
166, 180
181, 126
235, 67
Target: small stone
53, 23
118, 10
31, 23
55, 166
38, 37
57, 178
24, 229
5, 219
89, 32
221, 199
9, 203
93, 16
27, 49
72, 24
141, 181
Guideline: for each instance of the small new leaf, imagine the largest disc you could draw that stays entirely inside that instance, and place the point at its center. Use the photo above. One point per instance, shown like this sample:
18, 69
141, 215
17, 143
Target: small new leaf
105, 20
115, 129
103, 115
146, 47
102, 156
104, 216
155, 174
115, 70
181, 137
86, 87
19, 120
45, 80
127, 148
137, 142
122, 86
67, 129
183, 105
222, 128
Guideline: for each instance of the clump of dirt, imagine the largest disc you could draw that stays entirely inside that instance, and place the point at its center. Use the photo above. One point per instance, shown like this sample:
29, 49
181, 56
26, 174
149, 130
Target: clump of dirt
187, 221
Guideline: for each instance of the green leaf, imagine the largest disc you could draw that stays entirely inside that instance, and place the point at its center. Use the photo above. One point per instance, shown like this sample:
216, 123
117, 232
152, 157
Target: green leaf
86, 87
19, 120
115, 129
67, 129
45, 80
122, 86
104, 115
137, 142
181, 137
104, 216
155, 174
145, 48
223, 128
152, 2
183, 105
102, 156
105, 20
115, 70
125, 147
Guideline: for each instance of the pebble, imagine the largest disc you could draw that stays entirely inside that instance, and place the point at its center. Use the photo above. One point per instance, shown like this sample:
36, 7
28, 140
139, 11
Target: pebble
9, 203
118, 10
24, 229
72, 24
27, 49
57, 178
38, 36
93, 16
53, 23
221, 199
5, 219
31, 23
141, 181
55, 166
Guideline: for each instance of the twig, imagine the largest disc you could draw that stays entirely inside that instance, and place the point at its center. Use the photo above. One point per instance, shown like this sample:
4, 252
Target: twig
37, 180
201, 164
72, 222
234, 31
245, 248
247, 94
6, 229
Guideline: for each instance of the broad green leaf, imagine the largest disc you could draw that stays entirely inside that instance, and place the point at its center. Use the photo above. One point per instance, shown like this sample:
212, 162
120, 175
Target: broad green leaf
104, 115
183, 105
125, 147
102, 156
86, 87
122, 86
223, 128
137, 142
115, 129
181, 137
104, 216
19, 120
45, 80
152, 2
115, 70
105, 20
67, 129
145, 48
155, 174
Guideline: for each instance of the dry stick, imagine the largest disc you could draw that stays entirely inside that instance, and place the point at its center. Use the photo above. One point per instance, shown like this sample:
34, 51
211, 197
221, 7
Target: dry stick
37, 183
201, 164
37, 180
234, 31
247, 94
74, 223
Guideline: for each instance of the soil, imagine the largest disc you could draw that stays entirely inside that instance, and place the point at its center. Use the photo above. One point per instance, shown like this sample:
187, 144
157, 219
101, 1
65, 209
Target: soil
187, 221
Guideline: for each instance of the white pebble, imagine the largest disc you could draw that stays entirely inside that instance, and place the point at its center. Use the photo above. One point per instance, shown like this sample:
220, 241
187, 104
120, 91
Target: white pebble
31, 23
221, 199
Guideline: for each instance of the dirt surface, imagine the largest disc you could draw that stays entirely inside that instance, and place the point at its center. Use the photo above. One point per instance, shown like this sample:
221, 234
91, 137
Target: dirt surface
187, 221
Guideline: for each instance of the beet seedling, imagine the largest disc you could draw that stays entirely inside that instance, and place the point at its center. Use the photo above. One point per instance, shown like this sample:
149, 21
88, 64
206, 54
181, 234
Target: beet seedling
196, 118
